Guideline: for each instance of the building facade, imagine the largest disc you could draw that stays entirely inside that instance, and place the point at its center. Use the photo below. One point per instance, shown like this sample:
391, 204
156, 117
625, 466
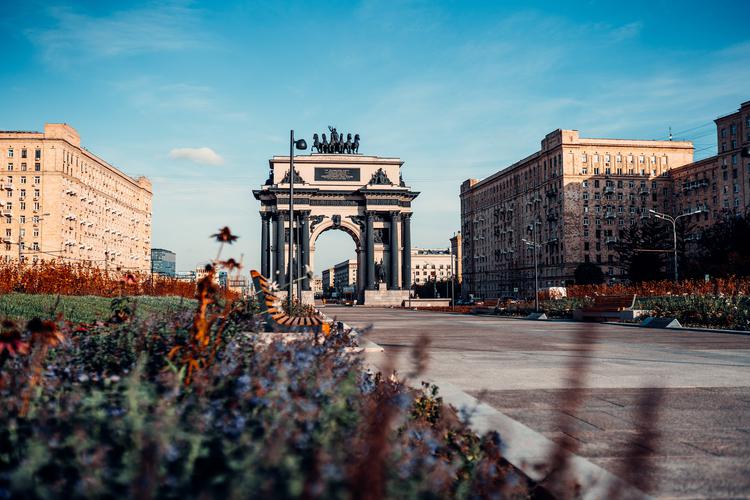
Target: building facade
345, 274
60, 201
457, 251
163, 262
571, 201
722, 182
327, 280
430, 264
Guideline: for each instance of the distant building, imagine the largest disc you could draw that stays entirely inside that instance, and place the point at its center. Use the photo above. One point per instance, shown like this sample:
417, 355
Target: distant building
456, 250
430, 264
719, 183
163, 262
327, 280
345, 274
239, 284
317, 285
185, 275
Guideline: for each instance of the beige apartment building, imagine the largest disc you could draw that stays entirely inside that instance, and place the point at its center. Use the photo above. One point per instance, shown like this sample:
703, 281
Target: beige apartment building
719, 183
430, 264
345, 274
572, 200
61, 202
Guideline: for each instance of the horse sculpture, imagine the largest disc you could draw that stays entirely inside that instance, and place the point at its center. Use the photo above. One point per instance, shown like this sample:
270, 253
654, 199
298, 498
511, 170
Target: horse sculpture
337, 144
316, 143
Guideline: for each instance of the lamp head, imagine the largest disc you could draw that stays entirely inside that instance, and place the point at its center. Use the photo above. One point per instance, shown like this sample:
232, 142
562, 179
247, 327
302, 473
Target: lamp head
300, 144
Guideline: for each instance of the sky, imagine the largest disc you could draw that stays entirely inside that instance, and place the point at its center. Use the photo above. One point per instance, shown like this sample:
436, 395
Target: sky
199, 95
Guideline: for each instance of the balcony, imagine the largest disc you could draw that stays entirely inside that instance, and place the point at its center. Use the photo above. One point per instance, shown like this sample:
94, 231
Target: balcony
643, 191
610, 240
609, 215
609, 190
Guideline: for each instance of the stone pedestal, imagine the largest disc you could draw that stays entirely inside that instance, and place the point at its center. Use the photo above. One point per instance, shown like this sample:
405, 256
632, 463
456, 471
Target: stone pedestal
384, 298
381, 287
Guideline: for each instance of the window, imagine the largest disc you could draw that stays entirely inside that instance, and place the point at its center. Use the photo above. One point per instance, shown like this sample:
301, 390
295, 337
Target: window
596, 170
9, 205
10, 167
22, 194
38, 154
37, 179
584, 158
586, 183
24, 153
23, 167
596, 158
606, 158
23, 179
10, 152
37, 167
36, 205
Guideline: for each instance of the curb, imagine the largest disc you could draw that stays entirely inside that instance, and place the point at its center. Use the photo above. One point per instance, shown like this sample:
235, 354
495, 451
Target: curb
526, 449
685, 328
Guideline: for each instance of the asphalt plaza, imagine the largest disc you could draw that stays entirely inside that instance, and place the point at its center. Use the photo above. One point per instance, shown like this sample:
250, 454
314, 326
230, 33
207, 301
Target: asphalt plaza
520, 368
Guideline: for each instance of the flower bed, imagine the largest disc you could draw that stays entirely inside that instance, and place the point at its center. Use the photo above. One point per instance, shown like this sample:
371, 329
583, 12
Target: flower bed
105, 410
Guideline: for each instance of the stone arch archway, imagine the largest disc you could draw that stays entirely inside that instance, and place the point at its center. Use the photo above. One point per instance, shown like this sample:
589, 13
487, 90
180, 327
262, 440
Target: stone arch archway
348, 192
354, 233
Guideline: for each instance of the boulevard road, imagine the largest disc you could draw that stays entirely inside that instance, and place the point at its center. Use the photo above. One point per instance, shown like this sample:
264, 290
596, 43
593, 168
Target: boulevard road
520, 367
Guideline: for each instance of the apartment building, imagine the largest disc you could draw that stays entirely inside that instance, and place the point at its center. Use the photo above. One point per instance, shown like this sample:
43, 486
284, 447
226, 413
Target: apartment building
345, 274
61, 202
571, 201
719, 183
430, 264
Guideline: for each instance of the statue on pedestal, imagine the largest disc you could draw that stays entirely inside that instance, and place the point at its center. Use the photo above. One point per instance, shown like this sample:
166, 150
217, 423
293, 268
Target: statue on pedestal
380, 271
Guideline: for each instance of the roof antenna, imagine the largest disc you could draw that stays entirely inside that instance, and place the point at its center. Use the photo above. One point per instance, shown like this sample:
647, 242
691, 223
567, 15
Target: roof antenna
670, 133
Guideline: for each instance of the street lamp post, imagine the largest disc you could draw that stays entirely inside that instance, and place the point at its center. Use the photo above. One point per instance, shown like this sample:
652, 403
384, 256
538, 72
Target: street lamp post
534, 245
673, 221
302, 145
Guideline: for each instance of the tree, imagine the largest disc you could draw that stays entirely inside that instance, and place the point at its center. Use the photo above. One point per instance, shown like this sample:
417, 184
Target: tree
643, 250
724, 248
588, 273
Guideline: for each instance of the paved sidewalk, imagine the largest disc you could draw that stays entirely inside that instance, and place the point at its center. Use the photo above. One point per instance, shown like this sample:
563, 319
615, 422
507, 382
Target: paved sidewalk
519, 368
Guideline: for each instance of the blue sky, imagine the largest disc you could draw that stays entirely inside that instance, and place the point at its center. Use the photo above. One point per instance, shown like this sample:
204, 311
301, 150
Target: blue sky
456, 89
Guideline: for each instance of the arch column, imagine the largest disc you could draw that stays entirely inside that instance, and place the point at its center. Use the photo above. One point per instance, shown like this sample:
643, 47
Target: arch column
370, 254
305, 230
265, 244
406, 268
395, 248
280, 263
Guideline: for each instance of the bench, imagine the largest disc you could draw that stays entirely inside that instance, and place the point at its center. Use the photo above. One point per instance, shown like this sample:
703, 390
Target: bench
609, 307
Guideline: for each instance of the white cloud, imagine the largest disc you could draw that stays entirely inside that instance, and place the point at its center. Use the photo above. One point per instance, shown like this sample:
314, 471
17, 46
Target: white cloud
204, 155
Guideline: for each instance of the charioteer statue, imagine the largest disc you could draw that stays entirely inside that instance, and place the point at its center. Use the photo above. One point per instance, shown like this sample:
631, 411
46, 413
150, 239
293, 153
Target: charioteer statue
337, 145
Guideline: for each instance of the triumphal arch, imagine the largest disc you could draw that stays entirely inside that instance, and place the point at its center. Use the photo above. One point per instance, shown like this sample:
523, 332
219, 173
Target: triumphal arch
337, 188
